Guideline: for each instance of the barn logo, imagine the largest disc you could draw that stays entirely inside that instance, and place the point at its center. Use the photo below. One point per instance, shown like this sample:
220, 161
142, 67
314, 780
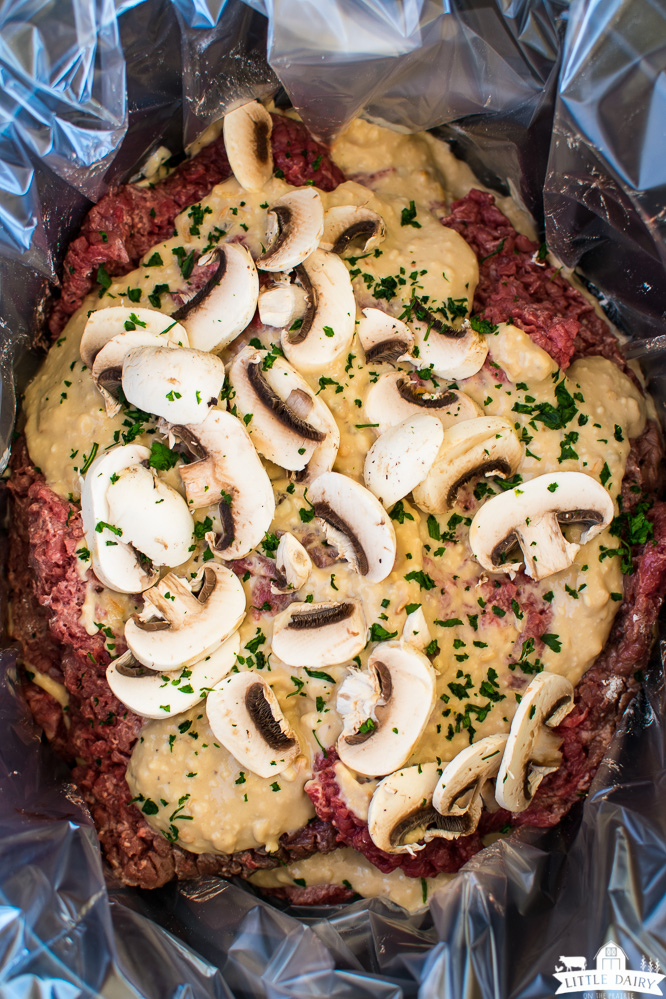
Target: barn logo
610, 974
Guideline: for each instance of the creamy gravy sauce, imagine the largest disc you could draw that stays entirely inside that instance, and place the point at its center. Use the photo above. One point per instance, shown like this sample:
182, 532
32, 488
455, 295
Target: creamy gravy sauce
197, 791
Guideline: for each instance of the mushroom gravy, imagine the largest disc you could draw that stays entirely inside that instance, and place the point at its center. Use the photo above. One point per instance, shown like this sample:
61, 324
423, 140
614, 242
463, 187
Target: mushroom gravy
484, 648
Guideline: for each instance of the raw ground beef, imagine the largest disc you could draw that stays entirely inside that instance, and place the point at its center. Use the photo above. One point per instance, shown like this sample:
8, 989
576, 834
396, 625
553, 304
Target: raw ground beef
514, 284
96, 733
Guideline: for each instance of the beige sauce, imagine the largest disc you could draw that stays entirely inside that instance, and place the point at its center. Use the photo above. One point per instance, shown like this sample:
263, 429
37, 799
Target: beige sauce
477, 645
348, 866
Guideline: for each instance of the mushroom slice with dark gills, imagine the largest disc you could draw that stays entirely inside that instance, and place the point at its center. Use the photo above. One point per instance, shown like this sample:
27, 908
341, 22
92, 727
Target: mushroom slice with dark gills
531, 517
105, 325
487, 445
152, 516
142, 690
394, 397
246, 717
450, 351
356, 523
226, 303
228, 474
284, 416
383, 337
324, 634
327, 329
180, 385
532, 748
385, 709
294, 226
466, 784
401, 817
179, 625
402, 457
155, 526
352, 228
247, 141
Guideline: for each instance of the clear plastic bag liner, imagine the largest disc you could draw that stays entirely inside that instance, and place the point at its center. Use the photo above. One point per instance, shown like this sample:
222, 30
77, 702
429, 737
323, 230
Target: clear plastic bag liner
564, 106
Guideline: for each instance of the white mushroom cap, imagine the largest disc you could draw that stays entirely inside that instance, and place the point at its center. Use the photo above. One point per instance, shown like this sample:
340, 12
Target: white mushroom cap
460, 790
356, 523
229, 472
247, 135
402, 457
279, 402
153, 517
108, 364
105, 324
487, 445
383, 337
281, 304
225, 305
293, 562
245, 716
378, 743
532, 515
352, 227
176, 628
452, 353
393, 397
144, 692
115, 563
415, 630
179, 385
532, 751
294, 226
324, 634
401, 818
327, 329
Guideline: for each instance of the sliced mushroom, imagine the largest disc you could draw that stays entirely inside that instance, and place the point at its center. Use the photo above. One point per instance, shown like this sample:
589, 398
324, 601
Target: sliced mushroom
228, 472
179, 385
383, 337
401, 818
324, 634
106, 324
294, 226
245, 716
247, 140
378, 738
465, 782
276, 402
356, 523
352, 227
532, 516
532, 750
487, 445
226, 303
152, 694
281, 305
394, 397
415, 630
107, 368
450, 352
177, 627
327, 329
117, 565
402, 457
152, 516
293, 563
